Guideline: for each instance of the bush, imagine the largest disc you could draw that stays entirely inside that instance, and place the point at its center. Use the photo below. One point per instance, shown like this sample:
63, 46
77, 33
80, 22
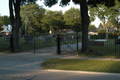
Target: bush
103, 35
112, 36
101, 31
99, 36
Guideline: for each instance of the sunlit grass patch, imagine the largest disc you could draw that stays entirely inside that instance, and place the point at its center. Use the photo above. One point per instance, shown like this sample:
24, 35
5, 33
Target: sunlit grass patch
82, 65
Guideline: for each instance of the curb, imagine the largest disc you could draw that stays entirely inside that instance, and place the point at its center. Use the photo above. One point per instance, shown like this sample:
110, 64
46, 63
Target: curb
84, 72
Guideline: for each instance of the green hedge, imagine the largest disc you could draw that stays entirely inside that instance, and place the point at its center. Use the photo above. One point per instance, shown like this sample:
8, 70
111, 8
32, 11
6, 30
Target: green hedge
69, 34
112, 36
99, 36
103, 35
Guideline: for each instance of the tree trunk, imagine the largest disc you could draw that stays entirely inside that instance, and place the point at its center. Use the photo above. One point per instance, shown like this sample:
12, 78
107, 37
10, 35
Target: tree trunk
16, 34
15, 20
85, 25
106, 34
105, 27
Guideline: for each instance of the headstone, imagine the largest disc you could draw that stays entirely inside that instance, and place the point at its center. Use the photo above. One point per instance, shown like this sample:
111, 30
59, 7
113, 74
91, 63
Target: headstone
7, 37
29, 39
96, 43
88, 36
75, 37
79, 37
50, 36
40, 37
117, 42
62, 39
48, 39
118, 37
68, 37
72, 37
4, 35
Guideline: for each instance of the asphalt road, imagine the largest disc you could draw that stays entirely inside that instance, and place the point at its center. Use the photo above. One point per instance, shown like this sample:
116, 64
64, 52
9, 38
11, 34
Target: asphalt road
55, 75
26, 66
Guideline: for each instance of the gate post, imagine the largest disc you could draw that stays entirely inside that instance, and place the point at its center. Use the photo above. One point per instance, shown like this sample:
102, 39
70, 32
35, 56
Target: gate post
58, 44
115, 46
34, 43
11, 43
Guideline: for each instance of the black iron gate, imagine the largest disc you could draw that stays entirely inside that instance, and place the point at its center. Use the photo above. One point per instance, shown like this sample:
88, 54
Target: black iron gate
34, 42
68, 44
47, 41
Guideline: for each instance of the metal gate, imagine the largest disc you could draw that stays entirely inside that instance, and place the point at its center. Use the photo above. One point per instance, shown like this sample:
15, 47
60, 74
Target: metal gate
47, 41
68, 44
33, 42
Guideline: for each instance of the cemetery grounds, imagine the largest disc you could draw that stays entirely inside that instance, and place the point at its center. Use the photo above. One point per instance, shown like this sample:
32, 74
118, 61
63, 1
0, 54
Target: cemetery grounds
39, 43
108, 48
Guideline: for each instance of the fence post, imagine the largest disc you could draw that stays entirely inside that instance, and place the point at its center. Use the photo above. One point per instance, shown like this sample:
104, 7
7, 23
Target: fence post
115, 46
11, 43
34, 43
58, 44
77, 42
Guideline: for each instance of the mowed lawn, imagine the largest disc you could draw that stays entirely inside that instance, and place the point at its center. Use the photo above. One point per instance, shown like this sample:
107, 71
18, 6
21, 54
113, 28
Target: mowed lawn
108, 48
5, 45
82, 65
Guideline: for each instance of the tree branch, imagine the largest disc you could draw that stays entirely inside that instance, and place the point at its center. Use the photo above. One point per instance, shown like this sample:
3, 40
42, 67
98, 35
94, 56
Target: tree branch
11, 11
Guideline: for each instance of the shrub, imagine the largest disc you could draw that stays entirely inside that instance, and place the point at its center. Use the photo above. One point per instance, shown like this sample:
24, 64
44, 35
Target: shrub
112, 36
101, 31
103, 35
99, 36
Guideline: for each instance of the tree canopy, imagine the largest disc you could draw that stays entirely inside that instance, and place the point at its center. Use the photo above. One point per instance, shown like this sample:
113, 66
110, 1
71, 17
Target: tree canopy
1, 21
108, 3
53, 20
72, 18
38, 18
6, 20
115, 13
32, 15
108, 15
92, 27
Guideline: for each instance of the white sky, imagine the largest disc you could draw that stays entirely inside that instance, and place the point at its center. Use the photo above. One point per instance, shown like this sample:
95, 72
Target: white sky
58, 8
4, 9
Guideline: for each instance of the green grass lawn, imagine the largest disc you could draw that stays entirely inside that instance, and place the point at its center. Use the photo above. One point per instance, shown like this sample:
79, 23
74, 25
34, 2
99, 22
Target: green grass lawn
38, 44
5, 45
108, 48
99, 55
82, 65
